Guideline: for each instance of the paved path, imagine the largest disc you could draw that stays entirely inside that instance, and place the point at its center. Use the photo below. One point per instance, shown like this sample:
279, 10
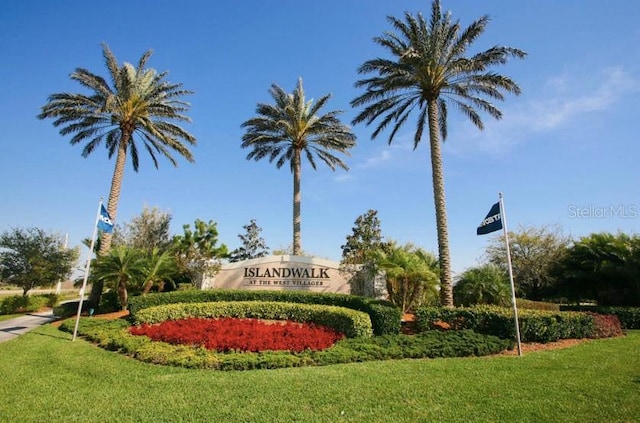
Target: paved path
12, 328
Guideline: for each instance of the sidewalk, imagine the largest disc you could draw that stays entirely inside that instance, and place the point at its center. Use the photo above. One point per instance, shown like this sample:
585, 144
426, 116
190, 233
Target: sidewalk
12, 328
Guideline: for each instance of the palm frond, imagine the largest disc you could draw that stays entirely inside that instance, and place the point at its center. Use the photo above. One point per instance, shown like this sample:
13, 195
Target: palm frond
429, 63
139, 101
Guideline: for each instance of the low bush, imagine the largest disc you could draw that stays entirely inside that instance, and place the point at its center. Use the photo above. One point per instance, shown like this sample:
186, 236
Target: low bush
629, 316
69, 309
606, 325
27, 303
535, 325
350, 322
109, 302
113, 335
385, 317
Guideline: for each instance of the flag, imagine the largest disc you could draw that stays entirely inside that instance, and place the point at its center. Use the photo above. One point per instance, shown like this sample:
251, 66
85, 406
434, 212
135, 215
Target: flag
491, 223
105, 224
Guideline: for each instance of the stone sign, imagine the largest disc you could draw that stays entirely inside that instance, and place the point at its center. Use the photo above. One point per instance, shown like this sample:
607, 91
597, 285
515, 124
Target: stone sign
281, 273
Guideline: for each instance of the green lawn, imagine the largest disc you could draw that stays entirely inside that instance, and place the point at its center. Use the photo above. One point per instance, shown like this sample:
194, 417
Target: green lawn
45, 377
8, 316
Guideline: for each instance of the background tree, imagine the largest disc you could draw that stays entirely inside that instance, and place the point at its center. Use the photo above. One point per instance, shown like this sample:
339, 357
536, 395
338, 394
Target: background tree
486, 284
603, 267
365, 240
534, 253
411, 274
360, 252
121, 269
148, 231
196, 252
31, 257
138, 102
431, 68
291, 129
253, 245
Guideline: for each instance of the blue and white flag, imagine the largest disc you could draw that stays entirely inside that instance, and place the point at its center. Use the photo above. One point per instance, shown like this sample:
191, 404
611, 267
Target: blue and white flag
491, 223
105, 224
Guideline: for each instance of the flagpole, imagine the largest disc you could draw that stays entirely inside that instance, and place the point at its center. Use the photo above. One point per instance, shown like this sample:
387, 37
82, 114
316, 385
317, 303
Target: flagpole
513, 290
86, 270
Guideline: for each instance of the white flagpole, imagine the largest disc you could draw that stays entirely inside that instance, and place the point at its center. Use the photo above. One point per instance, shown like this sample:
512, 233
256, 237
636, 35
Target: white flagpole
513, 289
86, 270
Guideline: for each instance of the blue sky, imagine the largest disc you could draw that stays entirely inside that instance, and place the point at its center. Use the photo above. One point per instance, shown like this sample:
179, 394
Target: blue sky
566, 152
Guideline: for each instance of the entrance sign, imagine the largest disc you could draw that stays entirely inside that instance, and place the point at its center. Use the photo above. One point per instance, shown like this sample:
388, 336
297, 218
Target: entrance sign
281, 273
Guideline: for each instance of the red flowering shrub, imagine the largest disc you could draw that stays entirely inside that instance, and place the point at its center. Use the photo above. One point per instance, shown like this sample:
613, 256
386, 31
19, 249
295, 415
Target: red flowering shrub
606, 325
231, 334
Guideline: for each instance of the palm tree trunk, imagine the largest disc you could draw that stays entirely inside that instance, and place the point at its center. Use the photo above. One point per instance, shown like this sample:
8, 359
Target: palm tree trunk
123, 294
297, 199
437, 171
112, 209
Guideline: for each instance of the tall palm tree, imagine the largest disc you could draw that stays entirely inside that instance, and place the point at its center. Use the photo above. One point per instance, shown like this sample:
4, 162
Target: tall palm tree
140, 109
429, 70
139, 102
290, 129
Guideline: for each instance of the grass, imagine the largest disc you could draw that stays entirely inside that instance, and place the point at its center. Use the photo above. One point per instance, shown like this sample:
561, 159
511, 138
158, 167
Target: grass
9, 316
45, 377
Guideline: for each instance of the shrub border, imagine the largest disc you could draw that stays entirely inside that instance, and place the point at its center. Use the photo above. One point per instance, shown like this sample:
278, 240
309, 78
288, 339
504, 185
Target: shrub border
629, 316
352, 323
385, 316
535, 325
113, 335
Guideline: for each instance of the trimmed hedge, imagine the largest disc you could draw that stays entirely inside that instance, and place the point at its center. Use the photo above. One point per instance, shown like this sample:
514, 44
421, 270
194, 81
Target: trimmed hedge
535, 325
629, 316
27, 303
109, 303
113, 335
385, 316
352, 323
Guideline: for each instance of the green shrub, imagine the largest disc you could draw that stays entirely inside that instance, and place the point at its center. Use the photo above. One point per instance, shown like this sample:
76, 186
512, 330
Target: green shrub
69, 309
535, 325
629, 316
109, 302
24, 303
350, 322
385, 317
606, 325
114, 335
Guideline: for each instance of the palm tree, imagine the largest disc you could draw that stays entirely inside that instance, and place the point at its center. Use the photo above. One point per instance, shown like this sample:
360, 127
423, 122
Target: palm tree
162, 267
139, 102
140, 109
486, 284
411, 274
292, 128
430, 70
121, 268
